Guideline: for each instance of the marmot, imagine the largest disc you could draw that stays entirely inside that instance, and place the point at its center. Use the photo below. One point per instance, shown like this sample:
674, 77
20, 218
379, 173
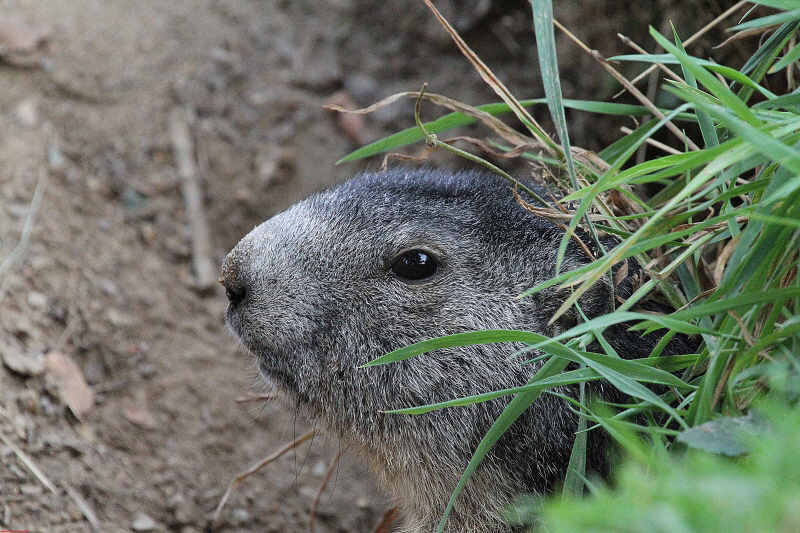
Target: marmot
392, 258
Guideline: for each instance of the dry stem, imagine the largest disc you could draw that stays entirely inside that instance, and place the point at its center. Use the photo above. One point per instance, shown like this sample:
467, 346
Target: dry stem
693, 38
331, 469
28, 462
630, 87
498, 86
204, 267
241, 476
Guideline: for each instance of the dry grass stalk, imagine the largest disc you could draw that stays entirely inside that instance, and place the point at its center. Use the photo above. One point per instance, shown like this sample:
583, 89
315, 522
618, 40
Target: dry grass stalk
631, 88
498, 86
328, 474
29, 464
205, 269
241, 476
702, 31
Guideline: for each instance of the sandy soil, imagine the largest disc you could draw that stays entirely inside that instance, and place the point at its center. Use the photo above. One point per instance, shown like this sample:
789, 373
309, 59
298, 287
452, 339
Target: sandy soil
103, 274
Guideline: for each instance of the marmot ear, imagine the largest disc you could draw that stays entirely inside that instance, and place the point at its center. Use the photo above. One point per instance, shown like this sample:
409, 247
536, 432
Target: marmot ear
605, 295
610, 291
596, 301
625, 278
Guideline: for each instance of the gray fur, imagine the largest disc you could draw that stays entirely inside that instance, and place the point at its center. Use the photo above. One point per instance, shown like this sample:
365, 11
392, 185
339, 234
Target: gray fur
313, 300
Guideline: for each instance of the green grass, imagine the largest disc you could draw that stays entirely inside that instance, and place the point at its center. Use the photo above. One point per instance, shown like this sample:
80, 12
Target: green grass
698, 492
722, 240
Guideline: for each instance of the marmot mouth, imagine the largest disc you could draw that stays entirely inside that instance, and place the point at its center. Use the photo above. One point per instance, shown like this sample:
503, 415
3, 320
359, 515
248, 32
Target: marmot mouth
234, 323
279, 376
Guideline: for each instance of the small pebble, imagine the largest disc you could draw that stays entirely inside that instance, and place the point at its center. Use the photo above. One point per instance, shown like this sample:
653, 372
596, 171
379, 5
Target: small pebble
364, 88
28, 401
55, 158
182, 509
363, 503
309, 493
31, 490
142, 522
319, 469
37, 300
25, 363
240, 516
27, 114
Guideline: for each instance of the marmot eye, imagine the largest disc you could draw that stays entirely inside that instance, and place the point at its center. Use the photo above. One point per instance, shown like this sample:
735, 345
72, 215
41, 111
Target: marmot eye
414, 265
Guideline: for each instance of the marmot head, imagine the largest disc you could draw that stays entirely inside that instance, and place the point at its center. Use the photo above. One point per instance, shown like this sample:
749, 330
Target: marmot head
389, 259
386, 260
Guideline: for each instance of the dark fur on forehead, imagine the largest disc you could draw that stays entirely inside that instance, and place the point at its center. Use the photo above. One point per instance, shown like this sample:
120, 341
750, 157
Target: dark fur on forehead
430, 195
434, 185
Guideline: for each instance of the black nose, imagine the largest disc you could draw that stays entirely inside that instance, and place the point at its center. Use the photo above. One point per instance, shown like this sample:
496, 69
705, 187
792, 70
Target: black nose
234, 293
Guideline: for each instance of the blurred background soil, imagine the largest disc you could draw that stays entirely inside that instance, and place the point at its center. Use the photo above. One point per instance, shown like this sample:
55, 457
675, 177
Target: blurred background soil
96, 279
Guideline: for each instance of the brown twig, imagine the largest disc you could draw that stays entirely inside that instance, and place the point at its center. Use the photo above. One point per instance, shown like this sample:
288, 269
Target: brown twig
85, 508
241, 476
723, 257
28, 462
423, 155
627, 41
506, 132
432, 141
27, 228
331, 469
726, 374
746, 34
502, 129
204, 268
692, 39
256, 398
746, 335
389, 518
495, 83
630, 87
653, 142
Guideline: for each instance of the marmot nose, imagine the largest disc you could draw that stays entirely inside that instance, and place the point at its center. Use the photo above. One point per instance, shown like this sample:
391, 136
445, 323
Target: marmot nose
232, 279
235, 293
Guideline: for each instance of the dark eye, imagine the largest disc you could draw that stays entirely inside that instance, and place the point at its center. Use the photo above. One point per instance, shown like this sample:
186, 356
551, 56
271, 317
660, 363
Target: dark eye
414, 265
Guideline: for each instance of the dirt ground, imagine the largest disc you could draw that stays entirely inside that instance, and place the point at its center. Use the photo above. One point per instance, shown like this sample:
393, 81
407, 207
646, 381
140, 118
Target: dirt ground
96, 268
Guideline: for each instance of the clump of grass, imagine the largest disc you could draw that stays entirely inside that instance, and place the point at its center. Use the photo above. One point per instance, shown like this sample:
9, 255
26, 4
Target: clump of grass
696, 493
721, 240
